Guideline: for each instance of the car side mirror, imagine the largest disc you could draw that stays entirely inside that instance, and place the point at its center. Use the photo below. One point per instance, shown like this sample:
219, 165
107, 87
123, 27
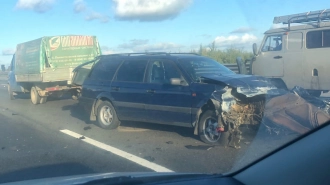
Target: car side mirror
176, 81
254, 48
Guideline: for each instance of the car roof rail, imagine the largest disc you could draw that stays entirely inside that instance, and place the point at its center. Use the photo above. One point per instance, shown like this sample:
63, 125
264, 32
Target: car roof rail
150, 53
307, 17
192, 53
142, 53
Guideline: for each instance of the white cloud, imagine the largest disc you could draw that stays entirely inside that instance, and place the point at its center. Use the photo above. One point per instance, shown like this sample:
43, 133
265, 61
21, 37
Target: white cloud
39, 6
139, 41
136, 45
235, 40
8, 51
242, 30
149, 10
97, 16
163, 46
133, 43
107, 51
79, 6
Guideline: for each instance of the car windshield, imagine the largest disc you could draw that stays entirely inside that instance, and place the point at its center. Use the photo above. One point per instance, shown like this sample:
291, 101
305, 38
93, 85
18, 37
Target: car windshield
197, 67
191, 86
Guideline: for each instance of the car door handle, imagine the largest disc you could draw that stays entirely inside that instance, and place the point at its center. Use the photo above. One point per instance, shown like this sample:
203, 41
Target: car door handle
151, 91
115, 88
277, 57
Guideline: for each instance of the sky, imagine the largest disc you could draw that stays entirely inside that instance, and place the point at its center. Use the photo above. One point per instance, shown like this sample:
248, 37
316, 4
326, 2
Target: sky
146, 25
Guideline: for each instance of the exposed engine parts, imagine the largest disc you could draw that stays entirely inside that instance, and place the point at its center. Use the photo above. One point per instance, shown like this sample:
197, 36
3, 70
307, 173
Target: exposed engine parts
296, 111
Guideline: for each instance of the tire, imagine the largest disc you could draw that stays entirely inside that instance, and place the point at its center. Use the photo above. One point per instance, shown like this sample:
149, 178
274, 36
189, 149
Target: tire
10, 93
103, 119
35, 98
208, 121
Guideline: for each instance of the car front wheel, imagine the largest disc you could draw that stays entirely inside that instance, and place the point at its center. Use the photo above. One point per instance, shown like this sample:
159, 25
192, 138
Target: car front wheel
106, 116
208, 130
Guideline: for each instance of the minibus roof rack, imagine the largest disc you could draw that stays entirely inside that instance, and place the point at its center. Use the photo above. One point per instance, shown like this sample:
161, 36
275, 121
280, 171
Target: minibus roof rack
307, 17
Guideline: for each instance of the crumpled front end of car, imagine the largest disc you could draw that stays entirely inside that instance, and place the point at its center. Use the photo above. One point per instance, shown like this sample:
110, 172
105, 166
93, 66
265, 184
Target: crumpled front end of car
240, 100
238, 108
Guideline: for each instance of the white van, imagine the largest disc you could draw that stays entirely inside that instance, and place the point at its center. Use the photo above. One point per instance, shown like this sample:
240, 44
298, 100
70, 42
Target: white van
296, 55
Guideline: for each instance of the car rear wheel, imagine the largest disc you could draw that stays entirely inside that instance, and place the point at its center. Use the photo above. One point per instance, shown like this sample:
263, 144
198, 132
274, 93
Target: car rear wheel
208, 130
10, 93
35, 98
106, 116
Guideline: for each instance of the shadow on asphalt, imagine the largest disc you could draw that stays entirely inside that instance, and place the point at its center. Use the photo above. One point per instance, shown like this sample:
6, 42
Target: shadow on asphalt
78, 112
22, 96
183, 131
48, 171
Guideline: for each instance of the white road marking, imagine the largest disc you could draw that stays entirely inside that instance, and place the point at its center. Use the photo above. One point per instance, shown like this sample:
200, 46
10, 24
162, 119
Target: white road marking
118, 152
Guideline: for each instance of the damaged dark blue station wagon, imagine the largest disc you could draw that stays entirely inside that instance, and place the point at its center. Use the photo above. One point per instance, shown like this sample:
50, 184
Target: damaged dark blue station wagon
180, 89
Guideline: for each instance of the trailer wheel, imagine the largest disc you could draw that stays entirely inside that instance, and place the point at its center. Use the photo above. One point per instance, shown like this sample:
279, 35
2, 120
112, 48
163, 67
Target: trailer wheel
10, 92
35, 98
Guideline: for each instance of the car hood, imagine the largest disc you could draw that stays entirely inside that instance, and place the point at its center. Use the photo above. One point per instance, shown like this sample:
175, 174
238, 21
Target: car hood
249, 85
81, 179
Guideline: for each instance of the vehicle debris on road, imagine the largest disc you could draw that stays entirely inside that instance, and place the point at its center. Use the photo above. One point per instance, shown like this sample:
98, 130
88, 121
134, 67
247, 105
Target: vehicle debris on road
87, 128
149, 158
169, 142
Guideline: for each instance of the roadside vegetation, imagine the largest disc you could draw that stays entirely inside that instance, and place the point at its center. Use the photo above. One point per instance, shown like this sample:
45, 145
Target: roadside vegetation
226, 56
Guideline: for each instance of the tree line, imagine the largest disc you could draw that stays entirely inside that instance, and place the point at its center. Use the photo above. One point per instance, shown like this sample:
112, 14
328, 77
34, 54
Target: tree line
228, 55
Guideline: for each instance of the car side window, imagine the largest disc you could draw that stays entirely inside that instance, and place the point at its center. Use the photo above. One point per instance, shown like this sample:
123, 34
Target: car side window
105, 69
132, 71
160, 71
273, 43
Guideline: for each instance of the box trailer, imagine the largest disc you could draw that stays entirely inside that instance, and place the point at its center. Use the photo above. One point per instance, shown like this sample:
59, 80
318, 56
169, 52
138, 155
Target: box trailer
43, 67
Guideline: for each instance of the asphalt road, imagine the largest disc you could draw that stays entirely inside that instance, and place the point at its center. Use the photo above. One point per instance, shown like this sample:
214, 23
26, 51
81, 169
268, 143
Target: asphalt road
34, 145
